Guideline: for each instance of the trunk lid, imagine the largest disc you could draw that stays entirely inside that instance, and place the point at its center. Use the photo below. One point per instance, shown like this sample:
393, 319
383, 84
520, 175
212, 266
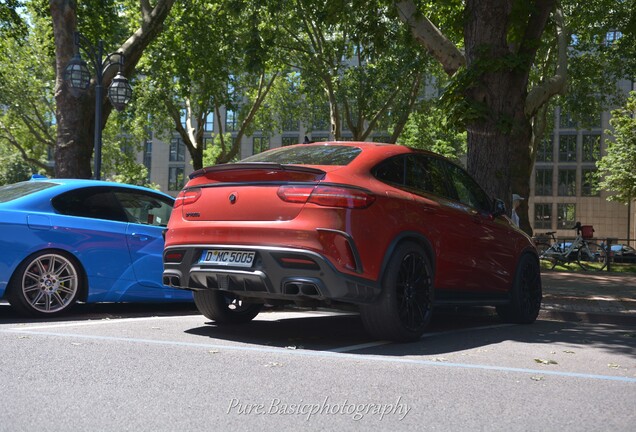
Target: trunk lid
244, 192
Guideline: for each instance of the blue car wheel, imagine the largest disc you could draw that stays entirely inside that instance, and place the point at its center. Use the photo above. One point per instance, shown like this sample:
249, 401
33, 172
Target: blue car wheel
45, 284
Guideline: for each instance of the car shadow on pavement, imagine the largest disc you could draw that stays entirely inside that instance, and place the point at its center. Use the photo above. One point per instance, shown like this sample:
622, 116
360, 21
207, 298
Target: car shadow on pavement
314, 333
450, 332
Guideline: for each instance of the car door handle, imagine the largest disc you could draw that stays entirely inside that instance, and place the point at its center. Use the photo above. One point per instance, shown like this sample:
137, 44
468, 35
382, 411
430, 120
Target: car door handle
140, 237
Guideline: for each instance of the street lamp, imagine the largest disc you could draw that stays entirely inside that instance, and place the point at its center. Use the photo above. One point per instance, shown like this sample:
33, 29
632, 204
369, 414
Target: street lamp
78, 78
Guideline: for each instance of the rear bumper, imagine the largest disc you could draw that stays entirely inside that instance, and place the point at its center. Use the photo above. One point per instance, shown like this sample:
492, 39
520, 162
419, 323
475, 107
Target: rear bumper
288, 274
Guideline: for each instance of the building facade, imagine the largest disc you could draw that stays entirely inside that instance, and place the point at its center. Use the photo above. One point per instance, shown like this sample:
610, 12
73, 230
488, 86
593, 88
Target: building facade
562, 188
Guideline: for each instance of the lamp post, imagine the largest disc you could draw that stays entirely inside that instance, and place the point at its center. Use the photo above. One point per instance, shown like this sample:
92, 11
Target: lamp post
78, 78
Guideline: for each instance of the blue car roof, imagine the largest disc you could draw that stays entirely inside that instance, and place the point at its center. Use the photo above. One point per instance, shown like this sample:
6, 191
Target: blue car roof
60, 185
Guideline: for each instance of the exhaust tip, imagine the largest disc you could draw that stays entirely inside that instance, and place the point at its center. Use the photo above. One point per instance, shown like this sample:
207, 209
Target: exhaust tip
301, 288
172, 281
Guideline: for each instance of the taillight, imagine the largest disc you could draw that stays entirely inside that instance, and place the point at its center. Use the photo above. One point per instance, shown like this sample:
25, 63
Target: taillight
295, 194
328, 196
173, 256
187, 196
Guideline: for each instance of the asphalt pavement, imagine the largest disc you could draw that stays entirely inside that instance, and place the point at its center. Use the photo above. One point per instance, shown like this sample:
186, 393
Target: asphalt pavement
595, 297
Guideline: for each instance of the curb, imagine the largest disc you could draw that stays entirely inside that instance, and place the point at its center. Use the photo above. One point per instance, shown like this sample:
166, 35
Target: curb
628, 319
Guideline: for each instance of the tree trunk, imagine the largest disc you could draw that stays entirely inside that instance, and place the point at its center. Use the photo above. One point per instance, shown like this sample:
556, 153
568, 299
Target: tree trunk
499, 141
497, 71
76, 116
74, 137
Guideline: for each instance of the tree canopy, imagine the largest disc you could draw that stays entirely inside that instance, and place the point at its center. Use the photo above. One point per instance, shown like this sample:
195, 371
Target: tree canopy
617, 169
361, 65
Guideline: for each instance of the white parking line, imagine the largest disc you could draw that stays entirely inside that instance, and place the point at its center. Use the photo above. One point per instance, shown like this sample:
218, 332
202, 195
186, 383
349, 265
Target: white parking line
329, 354
93, 322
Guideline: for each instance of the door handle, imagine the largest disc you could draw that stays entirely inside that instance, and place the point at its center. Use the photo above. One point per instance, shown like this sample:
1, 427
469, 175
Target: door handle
140, 237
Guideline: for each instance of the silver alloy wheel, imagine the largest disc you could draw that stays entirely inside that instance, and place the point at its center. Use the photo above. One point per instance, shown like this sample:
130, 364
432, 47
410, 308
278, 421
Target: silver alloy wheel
50, 283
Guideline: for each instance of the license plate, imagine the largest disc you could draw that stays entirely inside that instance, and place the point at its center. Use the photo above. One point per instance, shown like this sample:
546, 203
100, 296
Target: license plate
228, 258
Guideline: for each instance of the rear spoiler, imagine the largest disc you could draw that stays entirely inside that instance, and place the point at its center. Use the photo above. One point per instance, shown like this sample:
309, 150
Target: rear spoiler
254, 166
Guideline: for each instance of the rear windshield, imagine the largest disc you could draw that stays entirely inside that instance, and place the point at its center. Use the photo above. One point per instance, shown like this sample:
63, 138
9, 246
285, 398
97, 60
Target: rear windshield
308, 155
18, 190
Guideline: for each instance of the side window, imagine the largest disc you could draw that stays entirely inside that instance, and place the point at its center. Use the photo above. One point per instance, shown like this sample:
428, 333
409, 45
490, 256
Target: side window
95, 203
146, 209
390, 171
468, 191
426, 174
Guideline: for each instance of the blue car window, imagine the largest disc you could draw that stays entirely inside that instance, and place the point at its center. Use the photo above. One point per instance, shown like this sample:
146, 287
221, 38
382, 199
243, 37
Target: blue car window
19, 190
145, 208
95, 203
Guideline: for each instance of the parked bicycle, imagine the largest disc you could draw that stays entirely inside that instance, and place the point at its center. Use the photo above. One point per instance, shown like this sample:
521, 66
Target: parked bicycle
589, 255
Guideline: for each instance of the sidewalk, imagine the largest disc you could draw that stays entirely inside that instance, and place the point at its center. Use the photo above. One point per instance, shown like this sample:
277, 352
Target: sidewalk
596, 297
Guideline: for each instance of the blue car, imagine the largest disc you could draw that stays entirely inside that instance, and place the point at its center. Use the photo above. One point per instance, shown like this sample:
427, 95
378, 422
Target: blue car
68, 240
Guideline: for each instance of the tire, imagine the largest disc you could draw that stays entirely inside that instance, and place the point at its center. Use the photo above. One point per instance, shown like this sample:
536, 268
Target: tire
525, 295
45, 284
223, 308
592, 256
405, 305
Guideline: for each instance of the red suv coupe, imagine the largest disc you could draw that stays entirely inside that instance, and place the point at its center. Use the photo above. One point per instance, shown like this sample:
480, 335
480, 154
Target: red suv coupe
387, 229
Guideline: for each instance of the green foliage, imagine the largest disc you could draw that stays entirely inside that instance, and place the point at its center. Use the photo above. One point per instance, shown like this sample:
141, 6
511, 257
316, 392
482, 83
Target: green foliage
211, 152
212, 54
354, 56
109, 20
11, 23
428, 128
287, 103
14, 169
617, 168
597, 62
27, 82
122, 140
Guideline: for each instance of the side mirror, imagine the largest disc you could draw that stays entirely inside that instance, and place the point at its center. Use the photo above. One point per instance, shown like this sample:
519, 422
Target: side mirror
499, 208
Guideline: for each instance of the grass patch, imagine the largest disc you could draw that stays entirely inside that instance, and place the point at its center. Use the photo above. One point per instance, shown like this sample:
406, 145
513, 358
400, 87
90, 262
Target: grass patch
575, 267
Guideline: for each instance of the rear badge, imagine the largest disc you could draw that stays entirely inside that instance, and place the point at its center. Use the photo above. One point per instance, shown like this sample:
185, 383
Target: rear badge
193, 214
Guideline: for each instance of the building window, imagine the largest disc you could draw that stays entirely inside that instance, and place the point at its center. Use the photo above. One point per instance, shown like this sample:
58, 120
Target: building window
176, 178
567, 148
567, 182
591, 147
381, 139
260, 144
566, 216
209, 123
231, 121
592, 121
290, 140
148, 156
177, 150
543, 216
208, 142
566, 121
184, 118
612, 36
543, 182
589, 182
319, 137
544, 152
